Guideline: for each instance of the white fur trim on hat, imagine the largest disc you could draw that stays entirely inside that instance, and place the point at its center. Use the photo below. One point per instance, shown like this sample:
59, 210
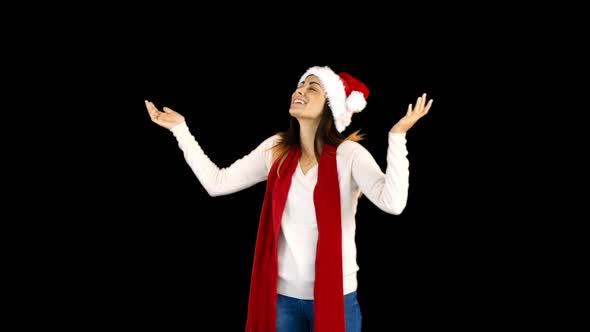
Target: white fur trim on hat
335, 93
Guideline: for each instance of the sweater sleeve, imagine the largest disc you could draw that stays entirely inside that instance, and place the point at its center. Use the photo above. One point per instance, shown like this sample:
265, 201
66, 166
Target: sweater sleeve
243, 173
389, 190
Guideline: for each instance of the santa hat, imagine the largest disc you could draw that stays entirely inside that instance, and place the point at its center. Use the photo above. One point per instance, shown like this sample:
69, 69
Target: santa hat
346, 95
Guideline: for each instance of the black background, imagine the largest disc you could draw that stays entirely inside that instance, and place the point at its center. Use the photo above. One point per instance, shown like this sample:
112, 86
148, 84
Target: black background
165, 247
135, 240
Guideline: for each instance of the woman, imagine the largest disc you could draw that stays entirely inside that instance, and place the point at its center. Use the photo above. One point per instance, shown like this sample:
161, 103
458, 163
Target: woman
304, 271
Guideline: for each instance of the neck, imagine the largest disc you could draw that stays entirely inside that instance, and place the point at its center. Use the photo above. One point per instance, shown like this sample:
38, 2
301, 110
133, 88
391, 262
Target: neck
307, 130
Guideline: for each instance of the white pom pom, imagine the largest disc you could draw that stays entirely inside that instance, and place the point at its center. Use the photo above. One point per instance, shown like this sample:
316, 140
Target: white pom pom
356, 102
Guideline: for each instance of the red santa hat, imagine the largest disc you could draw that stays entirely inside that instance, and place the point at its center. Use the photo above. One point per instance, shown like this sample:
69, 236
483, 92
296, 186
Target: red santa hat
346, 95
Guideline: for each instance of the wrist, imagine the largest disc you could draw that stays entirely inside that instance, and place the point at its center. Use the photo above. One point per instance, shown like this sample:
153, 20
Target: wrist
397, 130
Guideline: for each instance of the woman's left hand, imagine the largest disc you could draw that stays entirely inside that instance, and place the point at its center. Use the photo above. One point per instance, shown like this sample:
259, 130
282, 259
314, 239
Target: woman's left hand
412, 115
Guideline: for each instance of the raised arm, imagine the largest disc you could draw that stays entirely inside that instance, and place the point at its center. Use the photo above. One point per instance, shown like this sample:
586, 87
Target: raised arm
389, 190
243, 173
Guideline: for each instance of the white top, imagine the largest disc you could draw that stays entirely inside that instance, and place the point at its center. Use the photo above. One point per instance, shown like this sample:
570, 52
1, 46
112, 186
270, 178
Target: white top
357, 172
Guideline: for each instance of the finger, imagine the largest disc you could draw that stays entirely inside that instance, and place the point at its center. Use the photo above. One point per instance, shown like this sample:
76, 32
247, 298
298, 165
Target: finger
409, 110
153, 110
423, 101
148, 107
428, 106
419, 104
168, 110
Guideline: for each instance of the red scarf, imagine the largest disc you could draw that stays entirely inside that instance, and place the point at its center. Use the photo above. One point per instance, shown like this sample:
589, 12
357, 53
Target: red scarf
328, 289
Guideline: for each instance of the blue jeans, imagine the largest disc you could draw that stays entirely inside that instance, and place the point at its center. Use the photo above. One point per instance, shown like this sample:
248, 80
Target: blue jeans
295, 315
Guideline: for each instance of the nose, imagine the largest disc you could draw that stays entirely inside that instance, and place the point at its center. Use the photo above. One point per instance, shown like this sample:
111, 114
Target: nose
299, 91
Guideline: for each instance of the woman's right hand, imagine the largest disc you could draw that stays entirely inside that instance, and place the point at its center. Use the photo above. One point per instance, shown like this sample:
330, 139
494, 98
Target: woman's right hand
167, 119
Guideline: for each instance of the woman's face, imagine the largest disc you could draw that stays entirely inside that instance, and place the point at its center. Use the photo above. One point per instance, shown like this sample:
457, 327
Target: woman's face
308, 100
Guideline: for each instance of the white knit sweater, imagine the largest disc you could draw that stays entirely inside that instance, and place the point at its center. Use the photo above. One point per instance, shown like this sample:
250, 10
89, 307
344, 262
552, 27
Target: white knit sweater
357, 172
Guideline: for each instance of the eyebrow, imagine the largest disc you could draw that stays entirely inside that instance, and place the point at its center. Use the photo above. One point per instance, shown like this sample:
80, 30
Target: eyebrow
317, 83
310, 83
